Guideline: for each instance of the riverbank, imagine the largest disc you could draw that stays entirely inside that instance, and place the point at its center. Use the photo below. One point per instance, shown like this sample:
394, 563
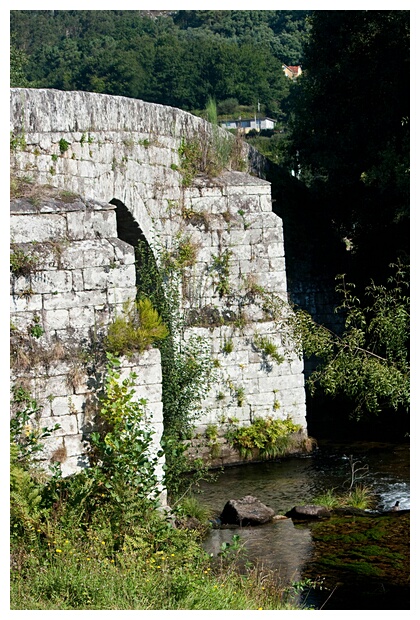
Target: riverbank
154, 566
366, 570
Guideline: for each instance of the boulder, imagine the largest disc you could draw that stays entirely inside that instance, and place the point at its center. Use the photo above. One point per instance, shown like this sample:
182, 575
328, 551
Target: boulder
310, 511
246, 511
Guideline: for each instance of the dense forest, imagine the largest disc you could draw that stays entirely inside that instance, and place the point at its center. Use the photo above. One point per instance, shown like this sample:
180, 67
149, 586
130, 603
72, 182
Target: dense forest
339, 153
178, 58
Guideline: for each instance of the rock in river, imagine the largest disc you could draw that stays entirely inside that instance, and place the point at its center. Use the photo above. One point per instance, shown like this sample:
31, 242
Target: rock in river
246, 511
310, 511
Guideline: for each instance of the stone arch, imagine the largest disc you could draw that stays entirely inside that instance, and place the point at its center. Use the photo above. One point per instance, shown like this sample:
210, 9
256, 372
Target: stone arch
129, 231
101, 147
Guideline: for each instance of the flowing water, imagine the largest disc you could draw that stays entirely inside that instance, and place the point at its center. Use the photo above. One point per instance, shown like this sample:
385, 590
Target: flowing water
352, 580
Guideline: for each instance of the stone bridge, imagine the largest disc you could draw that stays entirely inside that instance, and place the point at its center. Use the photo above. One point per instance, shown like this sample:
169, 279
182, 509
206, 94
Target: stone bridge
142, 170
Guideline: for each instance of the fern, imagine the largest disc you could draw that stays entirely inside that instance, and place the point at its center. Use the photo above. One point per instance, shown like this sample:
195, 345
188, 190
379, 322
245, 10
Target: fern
26, 515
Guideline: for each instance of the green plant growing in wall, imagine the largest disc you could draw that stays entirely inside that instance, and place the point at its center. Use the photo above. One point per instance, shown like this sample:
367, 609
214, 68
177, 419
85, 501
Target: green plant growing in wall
17, 141
136, 329
22, 263
265, 437
63, 145
183, 255
241, 213
221, 269
219, 154
268, 348
212, 437
196, 218
191, 156
188, 370
36, 329
24, 430
240, 396
227, 346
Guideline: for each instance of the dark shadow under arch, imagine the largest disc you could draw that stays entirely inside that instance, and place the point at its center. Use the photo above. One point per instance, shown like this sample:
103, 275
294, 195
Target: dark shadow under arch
128, 230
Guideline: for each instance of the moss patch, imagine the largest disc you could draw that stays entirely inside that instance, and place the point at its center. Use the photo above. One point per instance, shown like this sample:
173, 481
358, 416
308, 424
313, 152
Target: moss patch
362, 553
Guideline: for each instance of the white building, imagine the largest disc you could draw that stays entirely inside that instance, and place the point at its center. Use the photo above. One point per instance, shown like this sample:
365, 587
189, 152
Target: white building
246, 125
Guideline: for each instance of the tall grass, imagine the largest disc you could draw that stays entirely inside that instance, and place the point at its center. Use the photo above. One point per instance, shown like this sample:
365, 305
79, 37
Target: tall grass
360, 496
157, 568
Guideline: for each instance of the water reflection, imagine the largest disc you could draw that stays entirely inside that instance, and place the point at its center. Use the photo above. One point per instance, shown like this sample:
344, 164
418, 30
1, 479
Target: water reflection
278, 546
284, 484
290, 549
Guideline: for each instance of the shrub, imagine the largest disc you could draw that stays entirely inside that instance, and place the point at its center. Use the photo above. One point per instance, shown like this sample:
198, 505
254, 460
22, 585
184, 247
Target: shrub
22, 263
269, 437
136, 330
190, 506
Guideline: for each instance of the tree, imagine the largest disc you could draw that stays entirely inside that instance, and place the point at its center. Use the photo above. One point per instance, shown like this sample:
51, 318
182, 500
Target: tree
368, 363
350, 127
18, 61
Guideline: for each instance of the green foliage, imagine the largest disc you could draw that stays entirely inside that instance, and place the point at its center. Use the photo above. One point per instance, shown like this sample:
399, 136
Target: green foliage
240, 395
188, 369
220, 154
161, 567
191, 157
212, 436
183, 255
268, 348
136, 330
17, 141
221, 269
227, 346
120, 452
36, 329
267, 436
190, 506
350, 128
368, 362
18, 64
22, 263
63, 145
26, 514
329, 499
360, 497
96, 541
24, 431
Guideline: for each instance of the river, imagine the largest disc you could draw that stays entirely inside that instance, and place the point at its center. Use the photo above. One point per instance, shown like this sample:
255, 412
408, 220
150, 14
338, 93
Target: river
362, 563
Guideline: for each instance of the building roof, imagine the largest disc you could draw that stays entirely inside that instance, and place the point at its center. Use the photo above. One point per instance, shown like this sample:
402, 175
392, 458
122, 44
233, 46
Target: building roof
295, 70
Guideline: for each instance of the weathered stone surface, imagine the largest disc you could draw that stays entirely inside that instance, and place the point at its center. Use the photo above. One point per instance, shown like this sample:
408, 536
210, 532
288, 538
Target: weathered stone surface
309, 511
246, 511
26, 228
132, 145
